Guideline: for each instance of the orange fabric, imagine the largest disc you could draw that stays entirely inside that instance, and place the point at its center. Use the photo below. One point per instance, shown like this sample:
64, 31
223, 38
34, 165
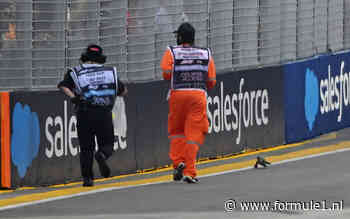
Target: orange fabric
167, 64
5, 140
187, 119
180, 151
176, 152
211, 74
167, 67
190, 160
188, 115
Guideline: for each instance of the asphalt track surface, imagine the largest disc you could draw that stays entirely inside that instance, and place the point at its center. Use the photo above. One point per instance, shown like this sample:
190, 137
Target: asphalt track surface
298, 184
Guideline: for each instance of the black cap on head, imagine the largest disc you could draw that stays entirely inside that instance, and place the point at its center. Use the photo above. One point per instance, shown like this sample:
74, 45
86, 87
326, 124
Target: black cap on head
185, 33
93, 53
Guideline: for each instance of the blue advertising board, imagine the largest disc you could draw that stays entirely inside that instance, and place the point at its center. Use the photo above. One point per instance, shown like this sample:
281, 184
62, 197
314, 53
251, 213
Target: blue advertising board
316, 96
44, 141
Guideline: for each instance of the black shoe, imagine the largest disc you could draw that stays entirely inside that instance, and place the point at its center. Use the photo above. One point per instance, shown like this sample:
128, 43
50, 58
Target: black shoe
261, 161
190, 179
178, 172
88, 182
102, 164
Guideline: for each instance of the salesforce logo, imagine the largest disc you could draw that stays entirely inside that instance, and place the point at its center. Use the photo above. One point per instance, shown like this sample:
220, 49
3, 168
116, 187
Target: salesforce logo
328, 95
335, 92
238, 111
311, 102
25, 138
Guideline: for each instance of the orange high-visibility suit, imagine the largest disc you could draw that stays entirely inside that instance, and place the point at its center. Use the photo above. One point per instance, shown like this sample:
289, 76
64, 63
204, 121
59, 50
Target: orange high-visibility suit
191, 71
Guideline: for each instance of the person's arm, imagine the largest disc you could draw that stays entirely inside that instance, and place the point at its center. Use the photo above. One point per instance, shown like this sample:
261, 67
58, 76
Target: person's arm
167, 64
67, 91
211, 74
122, 89
67, 86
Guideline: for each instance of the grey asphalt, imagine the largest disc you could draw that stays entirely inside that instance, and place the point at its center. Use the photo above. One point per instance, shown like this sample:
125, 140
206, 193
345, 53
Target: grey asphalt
325, 178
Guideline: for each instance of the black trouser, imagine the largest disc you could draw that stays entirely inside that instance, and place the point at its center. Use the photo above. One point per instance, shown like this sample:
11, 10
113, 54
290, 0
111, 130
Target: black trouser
90, 123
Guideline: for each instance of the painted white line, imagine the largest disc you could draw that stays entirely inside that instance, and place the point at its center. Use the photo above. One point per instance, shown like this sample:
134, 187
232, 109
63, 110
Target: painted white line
156, 183
279, 162
76, 195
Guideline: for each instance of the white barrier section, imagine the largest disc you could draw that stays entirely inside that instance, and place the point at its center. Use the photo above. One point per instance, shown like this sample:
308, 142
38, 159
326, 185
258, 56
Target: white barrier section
41, 39
221, 15
346, 13
270, 31
245, 33
288, 30
335, 24
305, 28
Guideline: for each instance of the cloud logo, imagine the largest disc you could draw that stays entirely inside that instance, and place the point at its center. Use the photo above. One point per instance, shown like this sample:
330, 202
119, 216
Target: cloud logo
311, 102
25, 137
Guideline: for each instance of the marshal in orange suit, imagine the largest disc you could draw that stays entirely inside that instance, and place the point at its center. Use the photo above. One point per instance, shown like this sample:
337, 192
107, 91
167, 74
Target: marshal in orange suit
191, 72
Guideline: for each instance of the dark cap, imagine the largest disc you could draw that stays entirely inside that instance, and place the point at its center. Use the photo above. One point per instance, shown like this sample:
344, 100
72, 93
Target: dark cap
184, 27
186, 33
93, 53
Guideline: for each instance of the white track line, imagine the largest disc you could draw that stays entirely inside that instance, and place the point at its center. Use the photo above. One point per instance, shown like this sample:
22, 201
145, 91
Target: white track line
155, 183
279, 162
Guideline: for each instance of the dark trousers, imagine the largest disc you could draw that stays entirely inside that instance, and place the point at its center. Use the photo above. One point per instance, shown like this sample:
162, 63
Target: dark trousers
93, 123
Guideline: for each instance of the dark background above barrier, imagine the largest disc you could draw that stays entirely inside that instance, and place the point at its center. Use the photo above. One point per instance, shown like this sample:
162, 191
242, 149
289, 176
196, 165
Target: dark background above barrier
147, 112
245, 111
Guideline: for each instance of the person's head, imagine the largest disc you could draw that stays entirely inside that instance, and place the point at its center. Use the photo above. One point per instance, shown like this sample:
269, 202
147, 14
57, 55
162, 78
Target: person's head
185, 34
93, 53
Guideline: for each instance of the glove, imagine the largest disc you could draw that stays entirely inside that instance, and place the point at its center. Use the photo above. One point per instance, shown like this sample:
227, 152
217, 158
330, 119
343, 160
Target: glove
75, 100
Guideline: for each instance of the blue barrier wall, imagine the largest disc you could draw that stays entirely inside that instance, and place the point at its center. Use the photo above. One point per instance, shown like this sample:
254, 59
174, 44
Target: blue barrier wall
317, 96
44, 143
244, 109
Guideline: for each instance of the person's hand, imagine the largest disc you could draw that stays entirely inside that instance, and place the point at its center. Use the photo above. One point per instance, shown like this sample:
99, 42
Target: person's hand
75, 100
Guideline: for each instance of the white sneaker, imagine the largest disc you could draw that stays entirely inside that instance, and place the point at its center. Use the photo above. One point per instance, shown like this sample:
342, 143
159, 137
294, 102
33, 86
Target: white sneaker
190, 179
